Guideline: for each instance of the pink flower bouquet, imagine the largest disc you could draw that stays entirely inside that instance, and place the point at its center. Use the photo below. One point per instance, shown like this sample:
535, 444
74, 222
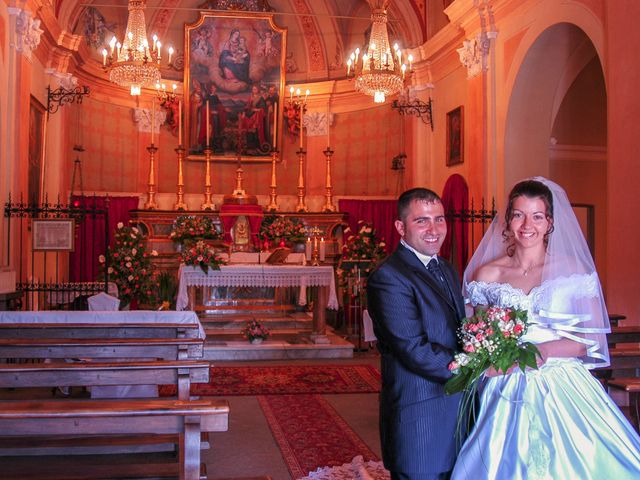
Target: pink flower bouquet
490, 338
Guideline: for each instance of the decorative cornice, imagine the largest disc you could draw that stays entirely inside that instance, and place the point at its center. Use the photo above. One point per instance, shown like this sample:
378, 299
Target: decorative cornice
27, 31
473, 54
142, 116
317, 123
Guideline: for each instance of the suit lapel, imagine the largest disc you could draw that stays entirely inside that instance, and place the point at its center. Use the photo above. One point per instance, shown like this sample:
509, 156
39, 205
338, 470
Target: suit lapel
416, 265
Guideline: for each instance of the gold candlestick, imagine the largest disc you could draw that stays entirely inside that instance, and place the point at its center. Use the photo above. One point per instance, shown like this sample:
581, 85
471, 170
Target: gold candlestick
180, 205
328, 202
302, 206
151, 192
207, 204
273, 204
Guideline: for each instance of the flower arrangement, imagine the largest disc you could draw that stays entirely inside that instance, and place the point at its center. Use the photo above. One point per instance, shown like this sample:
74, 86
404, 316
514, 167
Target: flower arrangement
129, 265
199, 254
489, 338
360, 253
278, 229
254, 330
191, 227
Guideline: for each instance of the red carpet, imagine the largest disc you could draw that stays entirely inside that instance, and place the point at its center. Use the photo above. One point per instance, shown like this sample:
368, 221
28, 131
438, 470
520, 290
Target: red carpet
310, 433
286, 380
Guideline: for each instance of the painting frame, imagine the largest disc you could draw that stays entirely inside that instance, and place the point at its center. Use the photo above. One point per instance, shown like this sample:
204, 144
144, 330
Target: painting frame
455, 136
36, 151
53, 234
235, 62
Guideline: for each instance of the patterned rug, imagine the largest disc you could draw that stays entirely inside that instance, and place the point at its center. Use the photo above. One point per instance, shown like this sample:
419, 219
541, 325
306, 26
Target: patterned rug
311, 434
286, 380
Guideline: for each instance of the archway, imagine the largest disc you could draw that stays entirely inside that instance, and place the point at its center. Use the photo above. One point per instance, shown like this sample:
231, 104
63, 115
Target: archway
556, 124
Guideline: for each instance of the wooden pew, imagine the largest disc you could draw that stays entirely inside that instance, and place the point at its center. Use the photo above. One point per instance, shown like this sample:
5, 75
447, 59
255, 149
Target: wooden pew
108, 417
62, 374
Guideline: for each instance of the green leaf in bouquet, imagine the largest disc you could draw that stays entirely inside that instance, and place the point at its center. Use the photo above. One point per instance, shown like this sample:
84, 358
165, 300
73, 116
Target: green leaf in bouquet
458, 382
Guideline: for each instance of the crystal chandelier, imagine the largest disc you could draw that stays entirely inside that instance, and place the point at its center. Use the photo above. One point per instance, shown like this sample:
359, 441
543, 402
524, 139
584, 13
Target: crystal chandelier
134, 63
379, 71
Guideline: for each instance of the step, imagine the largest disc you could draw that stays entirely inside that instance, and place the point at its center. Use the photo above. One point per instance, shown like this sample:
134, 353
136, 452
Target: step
295, 346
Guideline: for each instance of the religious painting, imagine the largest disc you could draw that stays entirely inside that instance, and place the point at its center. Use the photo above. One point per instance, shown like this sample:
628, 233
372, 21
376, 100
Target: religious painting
53, 235
37, 127
455, 136
234, 80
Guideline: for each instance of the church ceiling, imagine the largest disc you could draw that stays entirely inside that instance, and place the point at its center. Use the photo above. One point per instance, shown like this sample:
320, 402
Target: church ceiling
321, 33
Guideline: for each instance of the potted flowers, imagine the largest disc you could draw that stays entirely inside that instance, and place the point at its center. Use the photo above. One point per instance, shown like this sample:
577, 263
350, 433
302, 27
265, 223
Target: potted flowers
360, 253
129, 266
255, 332
190, 228
201, 255
282, 231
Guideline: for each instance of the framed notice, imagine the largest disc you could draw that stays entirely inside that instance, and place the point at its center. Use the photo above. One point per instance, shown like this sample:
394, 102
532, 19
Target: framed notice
234, 82
455, 136
53, 235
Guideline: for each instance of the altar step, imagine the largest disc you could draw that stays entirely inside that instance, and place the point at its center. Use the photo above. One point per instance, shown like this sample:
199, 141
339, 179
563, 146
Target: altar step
221, 323
281, 345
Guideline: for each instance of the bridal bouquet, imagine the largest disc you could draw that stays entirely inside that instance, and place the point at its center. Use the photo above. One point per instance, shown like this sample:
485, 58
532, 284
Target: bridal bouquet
490, 338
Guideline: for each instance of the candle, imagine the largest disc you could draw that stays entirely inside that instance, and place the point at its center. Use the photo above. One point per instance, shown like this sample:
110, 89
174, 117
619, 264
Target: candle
275, 124
170, 54
291, 95
179, 122
328, 126
323, 250
208, 126
301, 114
104, 56
153, 120
307, 249
306, 94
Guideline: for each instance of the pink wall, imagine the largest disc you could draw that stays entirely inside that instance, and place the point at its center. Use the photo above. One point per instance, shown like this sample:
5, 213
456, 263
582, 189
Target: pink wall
623, 229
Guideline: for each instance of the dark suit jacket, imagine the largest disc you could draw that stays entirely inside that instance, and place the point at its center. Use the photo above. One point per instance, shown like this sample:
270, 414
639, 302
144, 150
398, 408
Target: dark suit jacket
415, 322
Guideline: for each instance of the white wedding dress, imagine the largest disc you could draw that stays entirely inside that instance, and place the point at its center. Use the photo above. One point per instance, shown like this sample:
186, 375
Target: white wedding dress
555, 423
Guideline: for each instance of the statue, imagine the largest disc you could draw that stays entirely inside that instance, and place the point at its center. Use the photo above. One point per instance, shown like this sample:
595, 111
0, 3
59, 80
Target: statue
240, 234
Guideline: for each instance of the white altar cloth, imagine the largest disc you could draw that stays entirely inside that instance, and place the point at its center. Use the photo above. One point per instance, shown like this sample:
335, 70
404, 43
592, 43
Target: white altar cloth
258, 276
133, 316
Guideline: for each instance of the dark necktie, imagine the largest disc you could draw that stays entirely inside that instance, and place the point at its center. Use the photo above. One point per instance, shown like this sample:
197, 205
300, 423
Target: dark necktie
434, 269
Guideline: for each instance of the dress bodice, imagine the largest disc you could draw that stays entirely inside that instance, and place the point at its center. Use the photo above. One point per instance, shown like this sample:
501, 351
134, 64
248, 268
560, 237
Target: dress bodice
556, 296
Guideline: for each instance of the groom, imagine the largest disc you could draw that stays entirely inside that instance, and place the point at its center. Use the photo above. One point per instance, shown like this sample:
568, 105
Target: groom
415, 302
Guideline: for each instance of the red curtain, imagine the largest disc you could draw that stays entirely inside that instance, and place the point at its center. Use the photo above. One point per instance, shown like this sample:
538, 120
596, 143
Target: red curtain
90, 234
455, 198
229, 213
381, 214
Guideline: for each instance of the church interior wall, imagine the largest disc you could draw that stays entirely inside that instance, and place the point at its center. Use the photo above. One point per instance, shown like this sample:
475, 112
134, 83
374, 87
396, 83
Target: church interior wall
511, 115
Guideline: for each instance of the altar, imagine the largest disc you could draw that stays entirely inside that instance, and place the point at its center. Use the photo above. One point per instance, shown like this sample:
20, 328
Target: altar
258, 275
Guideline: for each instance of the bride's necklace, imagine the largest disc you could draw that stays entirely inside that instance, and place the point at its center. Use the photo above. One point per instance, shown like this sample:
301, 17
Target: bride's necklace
525, 271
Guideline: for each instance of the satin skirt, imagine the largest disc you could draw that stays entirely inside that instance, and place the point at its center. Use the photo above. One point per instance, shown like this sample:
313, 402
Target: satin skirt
553, 423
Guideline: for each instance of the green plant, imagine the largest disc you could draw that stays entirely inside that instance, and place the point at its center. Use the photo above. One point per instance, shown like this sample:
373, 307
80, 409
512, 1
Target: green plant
167, 289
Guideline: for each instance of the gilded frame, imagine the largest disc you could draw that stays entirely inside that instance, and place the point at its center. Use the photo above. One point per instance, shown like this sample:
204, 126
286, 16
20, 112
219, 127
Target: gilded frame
37, 136
235, 62
455, 136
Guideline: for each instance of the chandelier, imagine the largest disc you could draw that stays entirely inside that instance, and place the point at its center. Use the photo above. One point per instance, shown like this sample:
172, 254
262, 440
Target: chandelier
134, 63
379, 71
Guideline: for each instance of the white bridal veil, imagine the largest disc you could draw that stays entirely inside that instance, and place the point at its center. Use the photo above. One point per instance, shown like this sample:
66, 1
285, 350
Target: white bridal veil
571, 301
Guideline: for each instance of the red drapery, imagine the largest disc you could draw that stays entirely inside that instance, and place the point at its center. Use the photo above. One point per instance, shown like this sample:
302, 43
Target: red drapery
381, 214
455, 197
90, 234
229, 213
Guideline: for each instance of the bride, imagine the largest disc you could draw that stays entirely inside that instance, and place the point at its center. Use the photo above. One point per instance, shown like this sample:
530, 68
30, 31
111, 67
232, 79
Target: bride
556, 422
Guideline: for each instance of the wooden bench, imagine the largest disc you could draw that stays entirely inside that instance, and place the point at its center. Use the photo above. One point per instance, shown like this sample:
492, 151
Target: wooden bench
631, 385
62, 374
126, 329
108, 417
166, 348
